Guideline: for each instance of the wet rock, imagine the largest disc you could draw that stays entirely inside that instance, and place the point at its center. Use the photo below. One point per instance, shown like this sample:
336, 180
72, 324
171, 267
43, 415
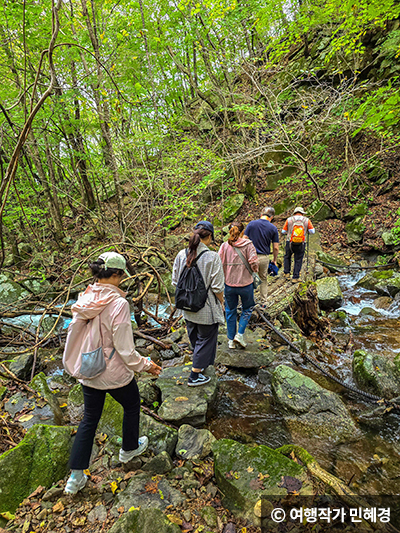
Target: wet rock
310, 410
372, 279
182, 404
329, 293
37, 411
144, 521
161, 437
383, 302
21, 365
245, 474
377, 374
160, 464
288, 323
369, 311
194, 444
355, 230
389, 287
331, 261
161, 495
41, 458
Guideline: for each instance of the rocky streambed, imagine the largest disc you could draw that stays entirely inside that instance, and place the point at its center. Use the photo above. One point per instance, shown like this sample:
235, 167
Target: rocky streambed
225, 449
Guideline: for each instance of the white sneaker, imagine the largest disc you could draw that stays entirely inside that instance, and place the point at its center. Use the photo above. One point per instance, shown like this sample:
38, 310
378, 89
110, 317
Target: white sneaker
125, 457
76, 482
239, 338
231, 344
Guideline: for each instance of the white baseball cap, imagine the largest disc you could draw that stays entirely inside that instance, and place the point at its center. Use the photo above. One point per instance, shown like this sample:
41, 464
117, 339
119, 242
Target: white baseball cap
114, 260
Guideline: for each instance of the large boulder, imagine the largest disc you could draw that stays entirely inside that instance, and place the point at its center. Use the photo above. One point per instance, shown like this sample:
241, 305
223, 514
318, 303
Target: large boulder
310, 410
182, 404
329, 293
144, 521
246, 474
160, 497
232, 206
355, 230
372, 279
41, 458
21, 365
377, 374
389, 287
359, 210
161, 437
194, 444
252, 357
332, 263
10, 291
319, 211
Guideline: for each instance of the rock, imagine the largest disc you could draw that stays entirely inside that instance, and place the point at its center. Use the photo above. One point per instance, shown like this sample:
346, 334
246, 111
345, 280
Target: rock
40, 412
245, 474
174, 242
251, 357
144, 521
263, 508
39, 384
383, 302
359, 210
232, 206
36, 286
160, 497
21, 365
41, 458
331, 261
318, 211
3, 392
329, 293
390, 286
160, 464
182, 404
194, 444
148, 390
366, 311
388, 238
98, 513
161, 437
377, 374
10, 291
372, 279
310, 410
52, 493
288, 322
209, 515
355, 230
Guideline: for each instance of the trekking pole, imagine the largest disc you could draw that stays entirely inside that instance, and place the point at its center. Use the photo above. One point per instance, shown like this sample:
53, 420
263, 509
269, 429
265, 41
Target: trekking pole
308, 240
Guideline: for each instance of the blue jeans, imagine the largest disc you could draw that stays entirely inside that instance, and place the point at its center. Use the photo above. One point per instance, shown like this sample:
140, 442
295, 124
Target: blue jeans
231, 303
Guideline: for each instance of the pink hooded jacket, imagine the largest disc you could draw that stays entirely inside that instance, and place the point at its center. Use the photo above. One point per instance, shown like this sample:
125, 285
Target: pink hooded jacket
236, 273
115, 331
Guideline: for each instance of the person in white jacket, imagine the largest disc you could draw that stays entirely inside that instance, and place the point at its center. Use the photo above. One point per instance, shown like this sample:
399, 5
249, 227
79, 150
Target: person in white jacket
105, 300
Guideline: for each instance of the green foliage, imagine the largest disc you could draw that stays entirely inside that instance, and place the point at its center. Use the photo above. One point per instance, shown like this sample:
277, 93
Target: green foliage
396, 229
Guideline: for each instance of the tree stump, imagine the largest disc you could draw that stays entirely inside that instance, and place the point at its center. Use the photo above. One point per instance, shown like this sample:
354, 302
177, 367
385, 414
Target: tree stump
305, 309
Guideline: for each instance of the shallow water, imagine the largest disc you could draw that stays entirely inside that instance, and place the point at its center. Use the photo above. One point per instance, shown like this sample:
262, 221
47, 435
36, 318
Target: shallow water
245, 409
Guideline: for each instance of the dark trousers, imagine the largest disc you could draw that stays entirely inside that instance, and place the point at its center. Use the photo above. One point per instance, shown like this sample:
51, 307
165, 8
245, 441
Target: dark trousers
129, 398
298, 251
203, 339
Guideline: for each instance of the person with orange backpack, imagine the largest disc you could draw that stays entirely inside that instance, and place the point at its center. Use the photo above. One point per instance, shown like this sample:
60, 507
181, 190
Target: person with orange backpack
296, 228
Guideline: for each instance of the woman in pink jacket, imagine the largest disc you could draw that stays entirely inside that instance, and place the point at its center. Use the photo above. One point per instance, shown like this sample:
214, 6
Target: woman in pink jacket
107, 302
238, 282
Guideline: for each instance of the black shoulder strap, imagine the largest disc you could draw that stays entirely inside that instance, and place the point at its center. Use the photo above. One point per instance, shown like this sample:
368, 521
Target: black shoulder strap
198, 257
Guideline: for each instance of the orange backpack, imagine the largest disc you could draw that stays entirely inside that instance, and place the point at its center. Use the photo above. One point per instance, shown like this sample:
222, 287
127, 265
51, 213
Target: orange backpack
298, 233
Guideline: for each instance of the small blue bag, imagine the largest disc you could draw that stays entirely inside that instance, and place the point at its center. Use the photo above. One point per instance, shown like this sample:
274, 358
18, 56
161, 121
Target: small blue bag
272, 269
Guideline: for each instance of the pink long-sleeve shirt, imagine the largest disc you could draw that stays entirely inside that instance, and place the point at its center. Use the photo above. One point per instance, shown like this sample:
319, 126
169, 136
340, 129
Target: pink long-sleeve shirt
109, 303
236, 273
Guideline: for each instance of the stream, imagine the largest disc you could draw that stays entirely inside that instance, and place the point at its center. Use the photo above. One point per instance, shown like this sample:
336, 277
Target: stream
245, 408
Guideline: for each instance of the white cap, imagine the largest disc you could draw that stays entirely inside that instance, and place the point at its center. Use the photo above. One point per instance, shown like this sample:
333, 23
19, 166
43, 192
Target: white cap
114, 260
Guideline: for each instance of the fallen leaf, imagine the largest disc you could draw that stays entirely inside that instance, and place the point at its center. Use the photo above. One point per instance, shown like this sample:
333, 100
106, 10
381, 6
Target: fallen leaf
58, 507
80, 521
256, 484
186, 527
291, 484
151, 487
121, 509
36, 492
25, 418
114, 486
181, 399
134, 509
7, 516
174, 519
63, 405
250, 469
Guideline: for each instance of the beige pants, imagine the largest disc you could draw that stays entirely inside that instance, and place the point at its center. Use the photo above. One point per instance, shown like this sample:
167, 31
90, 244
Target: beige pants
263, 263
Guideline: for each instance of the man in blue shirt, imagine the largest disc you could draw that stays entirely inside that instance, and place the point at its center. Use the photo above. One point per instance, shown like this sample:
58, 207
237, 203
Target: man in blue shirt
262, 232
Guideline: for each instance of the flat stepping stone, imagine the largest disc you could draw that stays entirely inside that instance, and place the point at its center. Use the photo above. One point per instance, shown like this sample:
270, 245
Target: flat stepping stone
182, 404
253, 356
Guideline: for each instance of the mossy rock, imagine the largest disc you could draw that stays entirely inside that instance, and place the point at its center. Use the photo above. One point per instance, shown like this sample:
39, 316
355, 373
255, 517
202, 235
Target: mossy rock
359, 210
331, 262
329, 293
388, 238
355, 230
144, 521
41, 458
309, 409
232, 206
377, 374
389, 287
237, 468
371, 279
10, 291
283, 206
319, 211
39, 384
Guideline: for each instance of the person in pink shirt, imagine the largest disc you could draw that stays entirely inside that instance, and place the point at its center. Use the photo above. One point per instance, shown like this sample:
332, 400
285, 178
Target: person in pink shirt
102, 312
238, 282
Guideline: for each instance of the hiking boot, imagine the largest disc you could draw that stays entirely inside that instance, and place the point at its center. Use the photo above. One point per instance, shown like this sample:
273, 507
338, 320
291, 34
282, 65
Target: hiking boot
231, 344
125, 457
286, 275
76, 482
296, 280
200, 380
239, 338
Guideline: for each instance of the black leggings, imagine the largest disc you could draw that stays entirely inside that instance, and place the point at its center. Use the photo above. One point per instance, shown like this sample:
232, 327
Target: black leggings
128, 396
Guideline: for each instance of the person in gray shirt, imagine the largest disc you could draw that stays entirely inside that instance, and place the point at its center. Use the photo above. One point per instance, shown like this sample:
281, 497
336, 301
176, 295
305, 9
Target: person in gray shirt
202, 326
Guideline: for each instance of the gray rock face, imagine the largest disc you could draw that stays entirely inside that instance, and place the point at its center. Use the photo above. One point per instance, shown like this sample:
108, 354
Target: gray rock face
329, 293
160, 464
194, 444
310, 410
182, 404
10, 291
21, 365
144, 521
253, 356
135, 495
149, 392
39, 384
377, 374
